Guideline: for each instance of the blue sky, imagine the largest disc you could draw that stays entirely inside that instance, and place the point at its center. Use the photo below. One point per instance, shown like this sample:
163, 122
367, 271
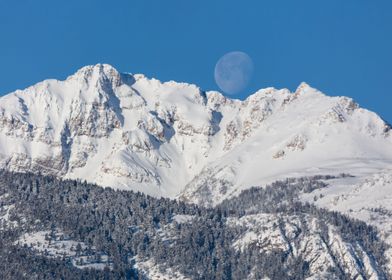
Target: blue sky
342, 47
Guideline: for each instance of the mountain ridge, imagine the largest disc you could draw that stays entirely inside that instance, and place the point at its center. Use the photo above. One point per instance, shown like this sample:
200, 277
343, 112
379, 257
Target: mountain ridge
131, 132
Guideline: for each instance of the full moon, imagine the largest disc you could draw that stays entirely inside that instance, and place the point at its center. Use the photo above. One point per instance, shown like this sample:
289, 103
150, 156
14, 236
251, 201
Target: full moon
233, 72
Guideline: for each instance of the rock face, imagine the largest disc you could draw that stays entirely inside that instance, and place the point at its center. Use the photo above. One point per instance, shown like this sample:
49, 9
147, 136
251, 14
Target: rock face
320, 245
114, 129
169, 139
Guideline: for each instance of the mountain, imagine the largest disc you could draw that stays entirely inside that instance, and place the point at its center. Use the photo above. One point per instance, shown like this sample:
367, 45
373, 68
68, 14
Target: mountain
175, 140
281, 185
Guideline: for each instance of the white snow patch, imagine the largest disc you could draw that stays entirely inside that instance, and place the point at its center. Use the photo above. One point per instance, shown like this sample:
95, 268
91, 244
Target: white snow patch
152, 270
183, 218
59, 246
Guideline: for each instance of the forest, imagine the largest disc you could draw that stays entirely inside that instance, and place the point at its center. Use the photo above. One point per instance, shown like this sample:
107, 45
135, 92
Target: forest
127, 227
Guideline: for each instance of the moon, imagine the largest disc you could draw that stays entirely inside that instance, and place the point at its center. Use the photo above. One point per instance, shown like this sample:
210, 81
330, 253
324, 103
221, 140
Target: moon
233, 72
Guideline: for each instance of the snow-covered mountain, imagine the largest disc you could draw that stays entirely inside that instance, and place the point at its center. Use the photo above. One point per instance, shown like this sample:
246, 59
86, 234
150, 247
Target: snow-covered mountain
173, 139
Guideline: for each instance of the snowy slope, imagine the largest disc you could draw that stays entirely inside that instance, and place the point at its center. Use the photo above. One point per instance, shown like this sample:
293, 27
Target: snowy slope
303, 237
304, 133
367, 198
172, 139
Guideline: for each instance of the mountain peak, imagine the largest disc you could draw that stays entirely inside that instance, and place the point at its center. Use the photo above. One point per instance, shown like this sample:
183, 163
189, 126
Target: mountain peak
99, 68
99, 74
305, 88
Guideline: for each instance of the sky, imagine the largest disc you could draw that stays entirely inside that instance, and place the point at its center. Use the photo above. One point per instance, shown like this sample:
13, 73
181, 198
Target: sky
342, 47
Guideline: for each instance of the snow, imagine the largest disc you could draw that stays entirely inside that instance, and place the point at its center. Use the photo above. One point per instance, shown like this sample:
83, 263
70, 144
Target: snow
327, 145
172, 139
37, 241
153, 272
62, 247
367, 198
183, 218
263, 231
